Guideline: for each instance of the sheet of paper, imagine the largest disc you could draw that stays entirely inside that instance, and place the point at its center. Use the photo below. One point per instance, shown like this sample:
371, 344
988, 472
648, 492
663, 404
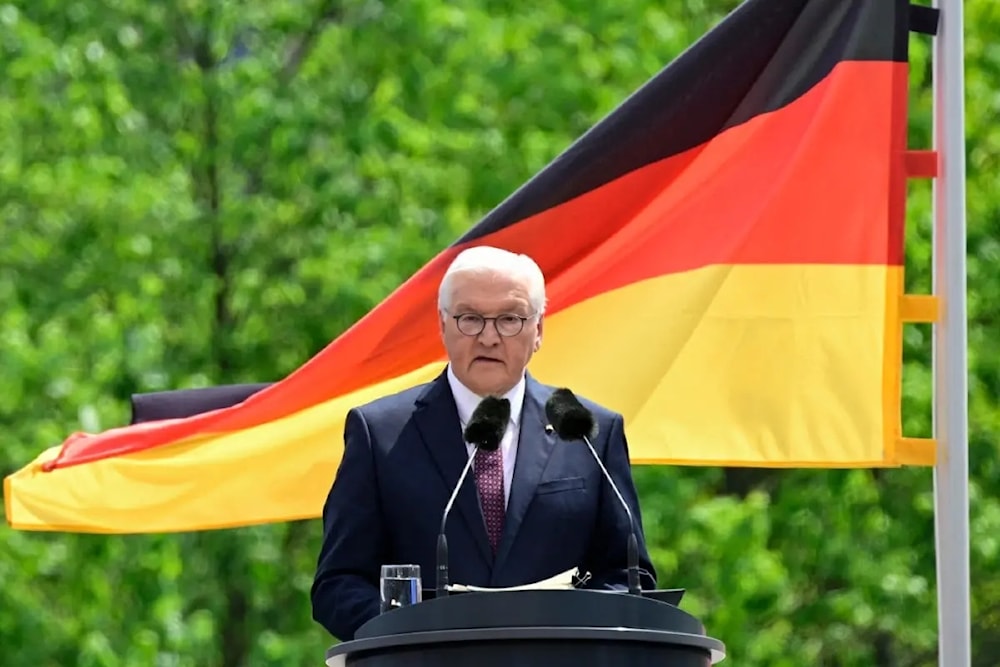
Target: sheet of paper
561, 580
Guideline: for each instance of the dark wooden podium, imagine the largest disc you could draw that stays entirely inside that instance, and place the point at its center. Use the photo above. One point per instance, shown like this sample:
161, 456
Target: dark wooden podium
533, 628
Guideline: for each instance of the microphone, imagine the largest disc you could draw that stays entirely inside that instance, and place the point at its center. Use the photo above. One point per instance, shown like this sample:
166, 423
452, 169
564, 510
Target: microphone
572, 421
484, 431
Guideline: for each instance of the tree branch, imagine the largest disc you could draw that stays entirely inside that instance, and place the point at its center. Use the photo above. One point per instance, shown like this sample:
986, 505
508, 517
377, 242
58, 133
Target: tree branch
740, 482
235, 630
327, 12
220, 253
206, 176
185, 40
885, 649
277, 616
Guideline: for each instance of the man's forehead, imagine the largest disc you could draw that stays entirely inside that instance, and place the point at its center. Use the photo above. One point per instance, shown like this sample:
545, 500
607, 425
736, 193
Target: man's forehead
509, 302
510, 298
486, 280
488, 284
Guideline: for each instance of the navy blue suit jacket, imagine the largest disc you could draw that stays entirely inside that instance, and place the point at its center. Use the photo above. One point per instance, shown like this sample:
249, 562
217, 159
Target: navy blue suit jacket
403, 455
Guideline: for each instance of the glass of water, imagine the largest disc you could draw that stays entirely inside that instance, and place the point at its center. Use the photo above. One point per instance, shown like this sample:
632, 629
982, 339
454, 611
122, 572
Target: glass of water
400, 586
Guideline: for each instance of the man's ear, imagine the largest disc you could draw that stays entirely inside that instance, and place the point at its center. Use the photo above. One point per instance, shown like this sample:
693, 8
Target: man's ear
538, 336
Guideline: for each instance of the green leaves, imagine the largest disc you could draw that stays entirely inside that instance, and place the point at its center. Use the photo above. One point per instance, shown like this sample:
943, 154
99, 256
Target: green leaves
202, 192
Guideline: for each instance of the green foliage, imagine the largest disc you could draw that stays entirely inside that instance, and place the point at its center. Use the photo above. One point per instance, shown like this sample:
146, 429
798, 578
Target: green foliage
202, 192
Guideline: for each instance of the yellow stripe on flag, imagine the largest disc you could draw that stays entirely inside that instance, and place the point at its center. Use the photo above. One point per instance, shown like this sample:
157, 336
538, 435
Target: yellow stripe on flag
774, 365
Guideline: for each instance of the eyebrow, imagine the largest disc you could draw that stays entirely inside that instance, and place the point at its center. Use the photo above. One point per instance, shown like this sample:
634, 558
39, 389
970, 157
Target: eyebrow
510, 309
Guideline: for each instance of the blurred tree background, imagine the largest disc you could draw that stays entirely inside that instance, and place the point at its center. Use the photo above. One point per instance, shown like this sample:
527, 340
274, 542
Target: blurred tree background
205, 192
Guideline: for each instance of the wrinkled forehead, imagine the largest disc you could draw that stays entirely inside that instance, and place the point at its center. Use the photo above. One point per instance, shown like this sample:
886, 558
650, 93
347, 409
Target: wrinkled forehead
490, 291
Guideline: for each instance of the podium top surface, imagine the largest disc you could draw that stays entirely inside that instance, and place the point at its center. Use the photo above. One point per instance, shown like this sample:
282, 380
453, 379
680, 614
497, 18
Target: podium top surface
527, 615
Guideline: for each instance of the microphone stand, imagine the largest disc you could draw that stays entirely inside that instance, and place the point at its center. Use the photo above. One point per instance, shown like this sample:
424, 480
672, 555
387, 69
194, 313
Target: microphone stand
633, 542
442, 540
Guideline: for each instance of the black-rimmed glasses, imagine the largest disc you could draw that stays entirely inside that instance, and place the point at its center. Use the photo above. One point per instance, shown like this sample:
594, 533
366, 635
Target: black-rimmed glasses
507, 325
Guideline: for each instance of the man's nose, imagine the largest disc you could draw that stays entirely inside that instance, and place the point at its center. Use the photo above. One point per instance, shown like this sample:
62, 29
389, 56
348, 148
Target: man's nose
489, 335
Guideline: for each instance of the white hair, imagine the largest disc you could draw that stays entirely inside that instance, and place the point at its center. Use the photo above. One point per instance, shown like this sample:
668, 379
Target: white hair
487, 259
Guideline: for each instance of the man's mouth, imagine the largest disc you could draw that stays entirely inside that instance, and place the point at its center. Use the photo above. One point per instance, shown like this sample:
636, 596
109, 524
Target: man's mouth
489, 360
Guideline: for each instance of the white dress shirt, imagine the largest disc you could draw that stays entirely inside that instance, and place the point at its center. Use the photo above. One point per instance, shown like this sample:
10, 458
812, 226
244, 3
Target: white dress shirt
466, 401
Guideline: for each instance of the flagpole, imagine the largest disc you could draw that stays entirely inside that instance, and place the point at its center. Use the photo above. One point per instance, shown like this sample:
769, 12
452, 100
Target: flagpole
951, 421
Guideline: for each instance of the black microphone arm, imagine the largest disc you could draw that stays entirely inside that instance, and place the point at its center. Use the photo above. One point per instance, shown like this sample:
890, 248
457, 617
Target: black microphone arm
633, 542
571, 420
485, 431
442, 542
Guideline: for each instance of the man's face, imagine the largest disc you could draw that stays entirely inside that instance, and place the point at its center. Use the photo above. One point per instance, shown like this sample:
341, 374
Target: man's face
490, 363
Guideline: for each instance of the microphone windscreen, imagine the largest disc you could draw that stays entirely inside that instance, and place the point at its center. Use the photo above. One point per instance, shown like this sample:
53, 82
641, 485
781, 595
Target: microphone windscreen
570, 419
488, 423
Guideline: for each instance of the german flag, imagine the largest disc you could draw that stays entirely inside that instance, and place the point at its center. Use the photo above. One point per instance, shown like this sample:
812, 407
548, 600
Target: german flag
724, 260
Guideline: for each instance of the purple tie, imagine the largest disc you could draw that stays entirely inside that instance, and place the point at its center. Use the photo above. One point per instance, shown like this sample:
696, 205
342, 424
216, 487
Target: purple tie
489, 479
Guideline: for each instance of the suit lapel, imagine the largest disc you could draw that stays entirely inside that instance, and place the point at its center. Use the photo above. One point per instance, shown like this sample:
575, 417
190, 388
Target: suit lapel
441, 431
534, 447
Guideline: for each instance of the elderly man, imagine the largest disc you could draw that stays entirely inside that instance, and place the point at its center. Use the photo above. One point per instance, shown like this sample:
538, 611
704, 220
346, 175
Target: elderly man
404, 453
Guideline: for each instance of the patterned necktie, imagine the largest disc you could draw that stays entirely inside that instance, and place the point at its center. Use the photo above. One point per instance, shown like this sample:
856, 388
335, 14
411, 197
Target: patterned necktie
489, 478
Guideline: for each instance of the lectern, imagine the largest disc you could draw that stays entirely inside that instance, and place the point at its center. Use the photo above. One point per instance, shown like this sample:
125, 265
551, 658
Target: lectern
532, 628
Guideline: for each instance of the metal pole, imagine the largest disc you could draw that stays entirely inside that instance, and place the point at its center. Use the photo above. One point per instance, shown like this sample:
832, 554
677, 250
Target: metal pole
951, 420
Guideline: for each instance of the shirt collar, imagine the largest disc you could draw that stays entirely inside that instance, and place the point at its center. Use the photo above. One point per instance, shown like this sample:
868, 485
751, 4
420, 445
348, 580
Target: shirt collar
466, 400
